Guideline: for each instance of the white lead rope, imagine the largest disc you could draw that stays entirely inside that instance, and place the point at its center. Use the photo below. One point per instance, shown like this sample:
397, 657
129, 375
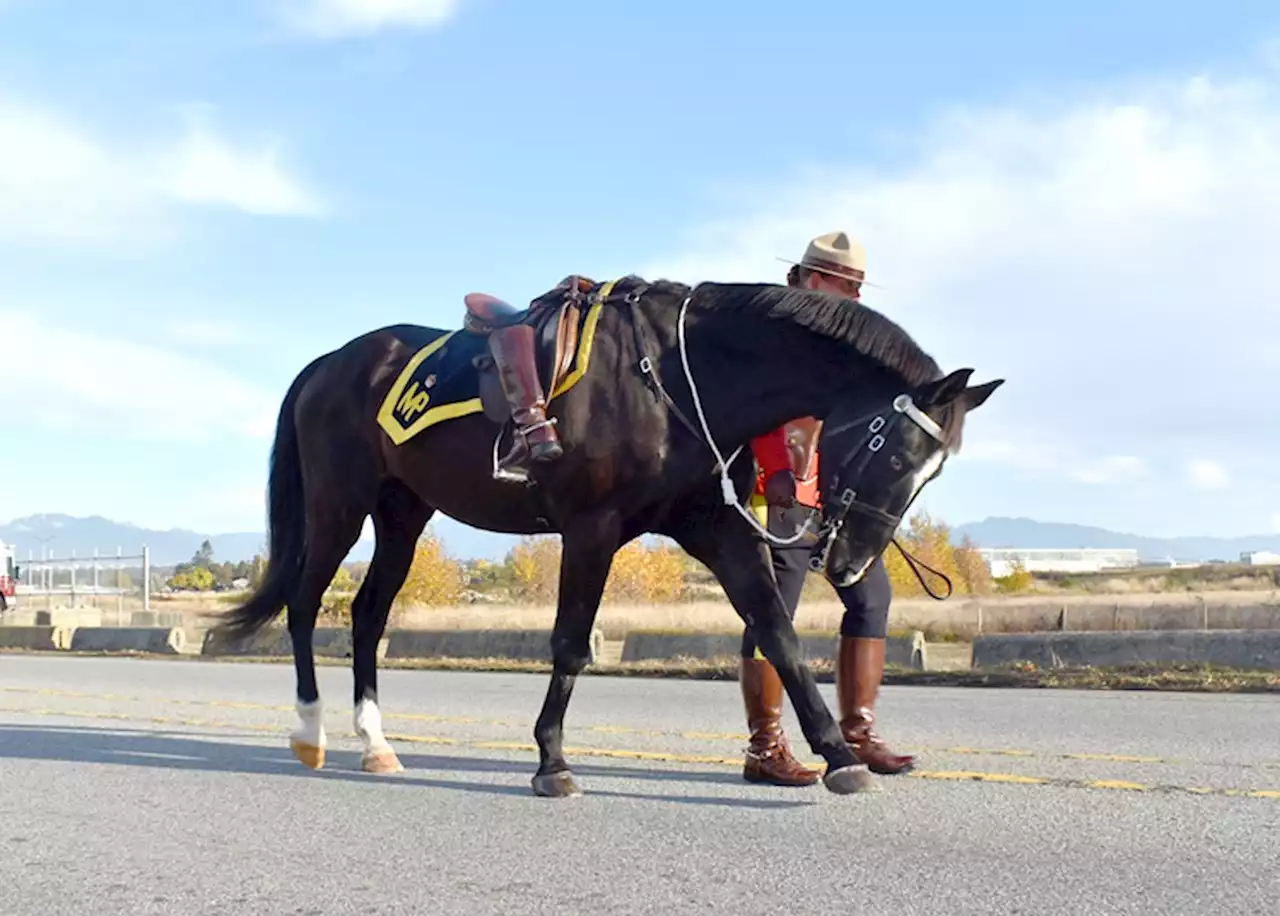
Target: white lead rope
726, 485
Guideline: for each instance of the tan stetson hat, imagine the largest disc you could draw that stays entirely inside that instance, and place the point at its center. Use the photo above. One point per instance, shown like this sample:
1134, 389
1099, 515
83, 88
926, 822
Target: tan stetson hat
837, 254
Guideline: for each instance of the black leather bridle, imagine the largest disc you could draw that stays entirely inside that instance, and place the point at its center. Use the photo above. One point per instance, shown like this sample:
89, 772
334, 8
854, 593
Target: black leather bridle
851, 467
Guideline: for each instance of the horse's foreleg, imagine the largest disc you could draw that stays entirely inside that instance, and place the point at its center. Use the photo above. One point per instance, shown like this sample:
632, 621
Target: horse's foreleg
398, 520
740, 561
585, 561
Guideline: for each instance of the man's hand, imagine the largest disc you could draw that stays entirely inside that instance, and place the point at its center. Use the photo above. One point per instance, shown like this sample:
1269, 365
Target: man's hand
780, 489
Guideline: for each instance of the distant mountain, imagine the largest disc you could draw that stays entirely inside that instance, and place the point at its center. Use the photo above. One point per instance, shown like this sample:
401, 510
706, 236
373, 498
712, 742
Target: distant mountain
1025, 532
63, 534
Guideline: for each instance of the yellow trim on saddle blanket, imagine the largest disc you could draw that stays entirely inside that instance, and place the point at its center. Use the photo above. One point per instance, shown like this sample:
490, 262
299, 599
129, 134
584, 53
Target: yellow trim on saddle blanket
407, 398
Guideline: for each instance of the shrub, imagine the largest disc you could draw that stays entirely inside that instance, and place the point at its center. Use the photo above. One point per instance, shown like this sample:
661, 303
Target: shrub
198, 579
1016, 580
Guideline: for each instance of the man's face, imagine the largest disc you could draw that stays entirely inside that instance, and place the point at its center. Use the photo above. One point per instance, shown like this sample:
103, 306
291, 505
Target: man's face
826, 283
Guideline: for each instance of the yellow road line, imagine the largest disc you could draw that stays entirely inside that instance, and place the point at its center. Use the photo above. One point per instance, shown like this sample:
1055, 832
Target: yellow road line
626, 730
1119, 784
961, 775
676, 757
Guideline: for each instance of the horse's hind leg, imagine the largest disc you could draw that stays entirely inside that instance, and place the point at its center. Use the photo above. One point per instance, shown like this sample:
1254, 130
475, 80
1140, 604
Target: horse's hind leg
398, 520
331, 533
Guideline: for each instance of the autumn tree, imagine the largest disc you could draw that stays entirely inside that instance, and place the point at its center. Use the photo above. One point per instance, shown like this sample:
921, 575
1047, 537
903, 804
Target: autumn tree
434, 578
645, 575
535, 568
975, 572
342, 581
639, 575
336, 602
929, 541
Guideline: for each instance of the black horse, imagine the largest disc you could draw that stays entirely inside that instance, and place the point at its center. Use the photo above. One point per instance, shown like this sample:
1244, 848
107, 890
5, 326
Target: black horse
655, 430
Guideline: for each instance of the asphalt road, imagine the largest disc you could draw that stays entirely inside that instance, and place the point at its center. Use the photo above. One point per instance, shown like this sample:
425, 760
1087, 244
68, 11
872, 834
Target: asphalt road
148, 787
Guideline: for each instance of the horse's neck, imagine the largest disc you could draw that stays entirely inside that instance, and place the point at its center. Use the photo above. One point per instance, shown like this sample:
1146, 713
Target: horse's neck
777, 373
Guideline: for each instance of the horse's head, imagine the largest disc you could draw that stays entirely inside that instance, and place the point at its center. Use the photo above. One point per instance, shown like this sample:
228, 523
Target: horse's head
875, 463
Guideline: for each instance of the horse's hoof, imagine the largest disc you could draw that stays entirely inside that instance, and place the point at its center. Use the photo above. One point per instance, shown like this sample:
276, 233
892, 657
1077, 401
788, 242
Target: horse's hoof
309, 754
381, 761
848, 780
556, 785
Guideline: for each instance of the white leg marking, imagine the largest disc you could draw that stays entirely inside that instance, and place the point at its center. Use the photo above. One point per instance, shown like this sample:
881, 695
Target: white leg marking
311, 731
368, 721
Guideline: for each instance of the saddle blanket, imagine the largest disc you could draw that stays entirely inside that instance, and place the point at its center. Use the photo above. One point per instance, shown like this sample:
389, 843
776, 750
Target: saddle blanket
439, 382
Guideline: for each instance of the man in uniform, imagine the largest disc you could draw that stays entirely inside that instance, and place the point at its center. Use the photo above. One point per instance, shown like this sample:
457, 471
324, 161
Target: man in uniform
786, 490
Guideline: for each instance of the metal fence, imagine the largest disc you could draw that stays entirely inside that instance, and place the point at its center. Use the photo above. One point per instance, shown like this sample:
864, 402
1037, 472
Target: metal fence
98, 580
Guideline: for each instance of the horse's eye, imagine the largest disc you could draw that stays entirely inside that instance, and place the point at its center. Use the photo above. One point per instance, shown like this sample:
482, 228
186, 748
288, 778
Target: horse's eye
895, 462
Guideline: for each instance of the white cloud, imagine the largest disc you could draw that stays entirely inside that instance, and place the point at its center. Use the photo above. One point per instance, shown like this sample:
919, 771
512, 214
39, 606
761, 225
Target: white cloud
1109, 255
1111, 469
59, 183
327, 19
1051, 462
56, 376
208, 170
1207, 475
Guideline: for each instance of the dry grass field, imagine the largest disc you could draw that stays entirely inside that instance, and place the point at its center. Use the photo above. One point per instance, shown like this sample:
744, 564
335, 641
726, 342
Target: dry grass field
954, 618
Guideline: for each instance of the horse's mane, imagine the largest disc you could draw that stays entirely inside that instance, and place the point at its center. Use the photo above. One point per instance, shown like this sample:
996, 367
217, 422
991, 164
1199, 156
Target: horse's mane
839, 319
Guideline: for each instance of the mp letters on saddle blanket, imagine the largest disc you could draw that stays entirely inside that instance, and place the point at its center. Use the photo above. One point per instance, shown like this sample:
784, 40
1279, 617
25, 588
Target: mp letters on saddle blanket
439, 382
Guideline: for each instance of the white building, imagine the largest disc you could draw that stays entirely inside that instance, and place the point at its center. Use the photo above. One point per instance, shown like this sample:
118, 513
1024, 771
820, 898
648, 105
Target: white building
1260, 558
1053, 559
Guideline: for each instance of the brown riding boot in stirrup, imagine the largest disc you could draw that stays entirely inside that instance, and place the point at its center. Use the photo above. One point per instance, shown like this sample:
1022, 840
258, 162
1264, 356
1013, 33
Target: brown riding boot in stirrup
859, 670
536, 439
769, 759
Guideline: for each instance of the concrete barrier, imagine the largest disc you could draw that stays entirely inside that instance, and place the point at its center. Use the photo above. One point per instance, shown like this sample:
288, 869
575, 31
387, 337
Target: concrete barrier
969, 617
334, 642
38, 638
526, 645
1256, 650
80, 616
660, 645
161, 640
157, 619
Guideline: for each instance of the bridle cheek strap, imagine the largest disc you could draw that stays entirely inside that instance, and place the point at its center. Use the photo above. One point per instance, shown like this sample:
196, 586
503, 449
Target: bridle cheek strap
871, 443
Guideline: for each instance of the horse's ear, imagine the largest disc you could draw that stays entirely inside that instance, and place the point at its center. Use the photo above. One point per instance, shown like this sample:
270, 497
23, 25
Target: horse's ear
944, 390
975, 397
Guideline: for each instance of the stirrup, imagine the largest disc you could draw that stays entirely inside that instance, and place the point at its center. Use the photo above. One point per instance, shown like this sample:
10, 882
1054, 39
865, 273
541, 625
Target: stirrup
502, 474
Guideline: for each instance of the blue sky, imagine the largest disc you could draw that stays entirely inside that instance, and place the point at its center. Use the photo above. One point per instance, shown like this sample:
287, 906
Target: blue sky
198, 197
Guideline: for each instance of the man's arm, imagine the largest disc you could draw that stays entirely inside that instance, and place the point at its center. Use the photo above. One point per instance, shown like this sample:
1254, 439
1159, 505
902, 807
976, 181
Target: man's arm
774, 458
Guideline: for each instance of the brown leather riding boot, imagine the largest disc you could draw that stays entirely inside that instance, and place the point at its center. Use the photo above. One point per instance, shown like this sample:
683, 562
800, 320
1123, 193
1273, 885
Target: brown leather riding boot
769, 759
859, 670
513, 356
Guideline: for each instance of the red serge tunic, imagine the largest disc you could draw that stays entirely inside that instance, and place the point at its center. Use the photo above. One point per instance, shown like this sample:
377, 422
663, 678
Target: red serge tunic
792, 446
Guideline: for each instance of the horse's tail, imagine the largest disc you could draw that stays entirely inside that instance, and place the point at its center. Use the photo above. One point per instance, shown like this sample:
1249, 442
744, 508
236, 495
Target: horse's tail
287, 524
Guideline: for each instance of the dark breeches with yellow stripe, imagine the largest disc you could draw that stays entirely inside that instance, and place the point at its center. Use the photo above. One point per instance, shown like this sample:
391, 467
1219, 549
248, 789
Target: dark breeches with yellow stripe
866, 604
